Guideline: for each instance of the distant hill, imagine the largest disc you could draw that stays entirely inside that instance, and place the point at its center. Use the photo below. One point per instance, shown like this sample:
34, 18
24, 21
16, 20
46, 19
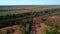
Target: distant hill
26, 6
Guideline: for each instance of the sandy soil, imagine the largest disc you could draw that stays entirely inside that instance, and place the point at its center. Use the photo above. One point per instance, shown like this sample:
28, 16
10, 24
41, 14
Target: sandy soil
40, 27
15, 27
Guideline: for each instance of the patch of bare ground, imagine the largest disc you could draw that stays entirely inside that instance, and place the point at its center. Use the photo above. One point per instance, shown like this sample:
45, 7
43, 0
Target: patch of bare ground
55, 17
41, 30
14, 27
40, 27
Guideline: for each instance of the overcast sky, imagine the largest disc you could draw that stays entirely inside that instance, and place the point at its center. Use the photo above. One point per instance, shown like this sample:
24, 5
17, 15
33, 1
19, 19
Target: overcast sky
29, 2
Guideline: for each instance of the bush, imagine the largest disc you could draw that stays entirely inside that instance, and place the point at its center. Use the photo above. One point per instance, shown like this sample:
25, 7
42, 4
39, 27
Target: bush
10, 30
1, 32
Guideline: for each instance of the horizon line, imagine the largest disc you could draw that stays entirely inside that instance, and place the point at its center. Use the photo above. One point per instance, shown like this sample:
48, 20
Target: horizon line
18, 5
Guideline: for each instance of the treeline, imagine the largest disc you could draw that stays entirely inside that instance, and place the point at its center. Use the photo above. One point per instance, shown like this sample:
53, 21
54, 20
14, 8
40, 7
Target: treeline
15, 16
11, 22
10, 9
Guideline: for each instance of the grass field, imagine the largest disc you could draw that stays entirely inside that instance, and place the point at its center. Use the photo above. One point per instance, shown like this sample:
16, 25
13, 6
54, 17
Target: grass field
3, 13
19, 11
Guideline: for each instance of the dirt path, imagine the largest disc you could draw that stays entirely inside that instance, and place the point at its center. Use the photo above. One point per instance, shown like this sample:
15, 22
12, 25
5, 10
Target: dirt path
37, 25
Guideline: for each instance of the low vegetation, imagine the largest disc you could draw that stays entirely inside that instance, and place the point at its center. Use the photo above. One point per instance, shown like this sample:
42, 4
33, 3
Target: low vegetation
12, 17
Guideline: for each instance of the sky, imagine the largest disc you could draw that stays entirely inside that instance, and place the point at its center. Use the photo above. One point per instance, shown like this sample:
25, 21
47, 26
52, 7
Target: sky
29, 2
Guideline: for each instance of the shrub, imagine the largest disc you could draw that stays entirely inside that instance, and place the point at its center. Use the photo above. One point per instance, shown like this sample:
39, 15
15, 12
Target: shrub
10, 30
